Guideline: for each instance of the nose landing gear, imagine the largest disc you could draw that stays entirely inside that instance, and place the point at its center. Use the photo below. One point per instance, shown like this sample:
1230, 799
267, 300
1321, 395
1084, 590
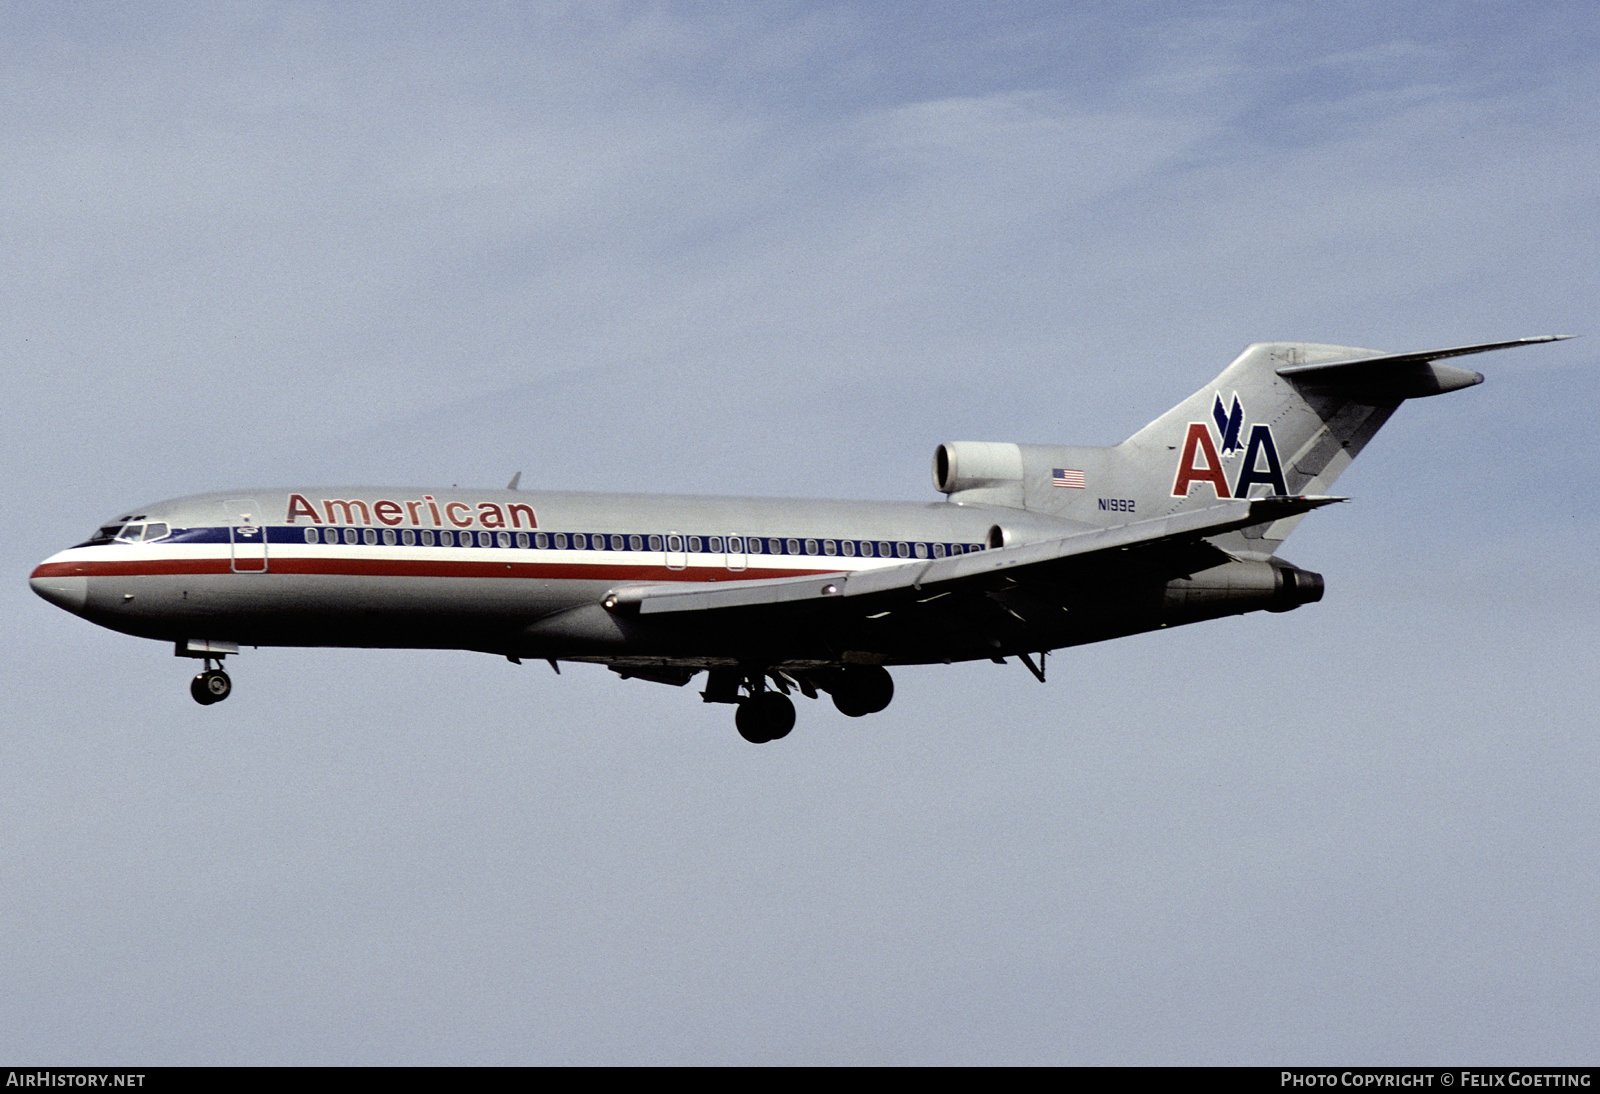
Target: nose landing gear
211, 686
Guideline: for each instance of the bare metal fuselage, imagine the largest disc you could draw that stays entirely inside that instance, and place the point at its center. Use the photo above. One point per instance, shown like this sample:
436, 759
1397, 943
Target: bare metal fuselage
511, 572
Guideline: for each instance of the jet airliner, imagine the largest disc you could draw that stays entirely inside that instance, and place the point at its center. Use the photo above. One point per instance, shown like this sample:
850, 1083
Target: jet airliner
1033, 548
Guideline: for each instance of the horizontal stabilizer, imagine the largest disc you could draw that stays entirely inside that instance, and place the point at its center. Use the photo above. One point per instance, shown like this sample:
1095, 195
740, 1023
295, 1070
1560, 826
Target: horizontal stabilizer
1402, 375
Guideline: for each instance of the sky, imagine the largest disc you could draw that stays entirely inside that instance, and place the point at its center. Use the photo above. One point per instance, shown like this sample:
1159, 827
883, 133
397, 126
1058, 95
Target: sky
787, 249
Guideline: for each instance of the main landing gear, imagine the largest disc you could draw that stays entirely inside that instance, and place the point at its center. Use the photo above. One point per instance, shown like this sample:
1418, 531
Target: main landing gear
859, 690
211, 686
766, 715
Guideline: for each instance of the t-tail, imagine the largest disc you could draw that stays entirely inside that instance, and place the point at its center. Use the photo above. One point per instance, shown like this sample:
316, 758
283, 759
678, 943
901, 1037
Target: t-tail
1283, 420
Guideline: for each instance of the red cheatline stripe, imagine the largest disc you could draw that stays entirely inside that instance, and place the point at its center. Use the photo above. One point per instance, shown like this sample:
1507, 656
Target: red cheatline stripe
385, 567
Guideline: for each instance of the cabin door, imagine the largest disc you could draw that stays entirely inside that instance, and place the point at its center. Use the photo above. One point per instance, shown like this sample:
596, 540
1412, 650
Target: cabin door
247, 537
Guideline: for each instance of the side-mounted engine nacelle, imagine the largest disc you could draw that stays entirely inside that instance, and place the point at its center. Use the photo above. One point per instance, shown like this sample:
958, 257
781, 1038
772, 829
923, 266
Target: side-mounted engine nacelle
988, 472
1241, 586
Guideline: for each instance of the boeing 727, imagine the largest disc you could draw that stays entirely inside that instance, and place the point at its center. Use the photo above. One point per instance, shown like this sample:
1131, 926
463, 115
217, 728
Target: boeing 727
1034, 548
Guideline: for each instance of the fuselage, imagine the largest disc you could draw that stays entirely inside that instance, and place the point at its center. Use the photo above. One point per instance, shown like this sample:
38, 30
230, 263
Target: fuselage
499, 571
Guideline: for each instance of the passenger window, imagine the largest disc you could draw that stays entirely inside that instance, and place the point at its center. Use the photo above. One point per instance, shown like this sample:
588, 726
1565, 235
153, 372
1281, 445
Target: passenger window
503, 538
408, 537
311, 535
522, 539
349, 535
540, 540
388, 537
427, 537
922, 550
655, 543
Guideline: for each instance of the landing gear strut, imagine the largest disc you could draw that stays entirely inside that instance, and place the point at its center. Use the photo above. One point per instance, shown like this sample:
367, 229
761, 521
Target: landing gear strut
211, 686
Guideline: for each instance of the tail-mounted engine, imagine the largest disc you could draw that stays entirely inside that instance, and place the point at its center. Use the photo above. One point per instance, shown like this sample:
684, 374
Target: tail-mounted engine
1240, 586
987, 472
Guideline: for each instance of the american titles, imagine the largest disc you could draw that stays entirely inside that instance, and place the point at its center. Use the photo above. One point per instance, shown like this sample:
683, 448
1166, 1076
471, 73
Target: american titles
420, 512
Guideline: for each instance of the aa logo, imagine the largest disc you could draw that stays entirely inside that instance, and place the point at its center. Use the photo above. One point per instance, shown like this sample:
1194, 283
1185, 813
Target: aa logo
1211, 448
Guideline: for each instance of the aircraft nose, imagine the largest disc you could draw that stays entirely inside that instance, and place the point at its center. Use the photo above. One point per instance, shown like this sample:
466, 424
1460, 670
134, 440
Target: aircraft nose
62, 590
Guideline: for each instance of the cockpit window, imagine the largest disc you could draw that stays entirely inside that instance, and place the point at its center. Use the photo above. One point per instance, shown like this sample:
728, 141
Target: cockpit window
129, 532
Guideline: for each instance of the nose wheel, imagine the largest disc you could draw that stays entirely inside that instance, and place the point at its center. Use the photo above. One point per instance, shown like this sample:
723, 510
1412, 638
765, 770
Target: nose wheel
210, 686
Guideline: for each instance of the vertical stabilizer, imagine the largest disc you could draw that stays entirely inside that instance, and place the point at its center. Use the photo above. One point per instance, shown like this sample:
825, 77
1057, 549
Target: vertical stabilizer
1285, 418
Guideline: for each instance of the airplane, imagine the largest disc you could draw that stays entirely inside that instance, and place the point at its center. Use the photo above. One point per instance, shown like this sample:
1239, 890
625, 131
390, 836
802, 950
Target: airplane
1033, 548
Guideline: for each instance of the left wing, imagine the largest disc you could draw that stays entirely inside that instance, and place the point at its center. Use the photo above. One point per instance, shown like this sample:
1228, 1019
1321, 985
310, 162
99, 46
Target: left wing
1179, 536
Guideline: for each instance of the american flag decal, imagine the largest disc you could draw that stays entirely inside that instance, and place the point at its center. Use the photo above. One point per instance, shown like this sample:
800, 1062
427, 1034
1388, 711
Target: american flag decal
1068, 477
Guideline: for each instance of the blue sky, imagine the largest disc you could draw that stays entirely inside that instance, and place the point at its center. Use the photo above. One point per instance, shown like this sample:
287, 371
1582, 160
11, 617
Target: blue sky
788, 249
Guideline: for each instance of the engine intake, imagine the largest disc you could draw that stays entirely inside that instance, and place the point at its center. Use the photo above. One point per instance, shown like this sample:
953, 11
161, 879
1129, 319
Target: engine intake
976, 465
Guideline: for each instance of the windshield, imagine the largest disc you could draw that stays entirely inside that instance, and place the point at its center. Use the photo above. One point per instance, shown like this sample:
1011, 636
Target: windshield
127, 531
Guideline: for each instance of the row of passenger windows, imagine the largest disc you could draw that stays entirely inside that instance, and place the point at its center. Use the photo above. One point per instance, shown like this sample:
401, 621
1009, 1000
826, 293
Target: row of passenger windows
617, 541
